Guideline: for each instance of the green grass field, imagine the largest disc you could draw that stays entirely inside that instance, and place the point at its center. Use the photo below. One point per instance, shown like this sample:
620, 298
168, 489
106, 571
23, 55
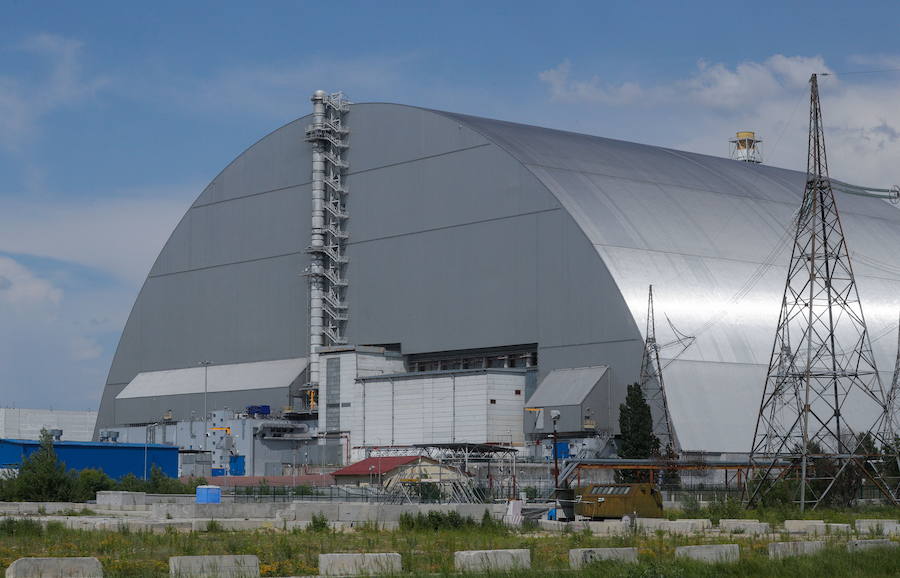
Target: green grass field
133, 555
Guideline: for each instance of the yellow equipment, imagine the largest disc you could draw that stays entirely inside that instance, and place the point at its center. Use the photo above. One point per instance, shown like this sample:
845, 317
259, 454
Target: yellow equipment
598, 501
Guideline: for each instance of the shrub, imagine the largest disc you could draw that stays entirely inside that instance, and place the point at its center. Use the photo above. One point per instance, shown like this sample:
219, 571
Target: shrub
89, 482
690, 505
319, 523
20, 527
214, 526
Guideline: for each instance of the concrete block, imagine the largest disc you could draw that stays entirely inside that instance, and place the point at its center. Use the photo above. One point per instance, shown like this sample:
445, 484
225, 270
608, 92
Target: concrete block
351, 512
121, 499
551, 525
859, 545
837, 529
870, 526
687, 526
749, 527
778, 550
652, 524
710, 552
492, 560
359, 564
609, 527
214, 566
814, 527
304, 511
55, 568
579, 557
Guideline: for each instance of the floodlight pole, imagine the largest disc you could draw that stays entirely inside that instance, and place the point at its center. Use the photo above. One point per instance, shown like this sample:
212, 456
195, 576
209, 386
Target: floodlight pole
205, 365
146, 444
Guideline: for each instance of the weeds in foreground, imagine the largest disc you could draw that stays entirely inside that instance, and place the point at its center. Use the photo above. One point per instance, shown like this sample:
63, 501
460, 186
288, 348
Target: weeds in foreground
426, 550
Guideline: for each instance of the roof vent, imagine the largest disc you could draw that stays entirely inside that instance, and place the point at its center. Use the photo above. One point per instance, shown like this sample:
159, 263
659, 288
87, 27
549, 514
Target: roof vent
745, 147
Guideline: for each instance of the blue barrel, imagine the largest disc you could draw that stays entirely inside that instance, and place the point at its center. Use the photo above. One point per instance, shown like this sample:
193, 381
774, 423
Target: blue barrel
209, 495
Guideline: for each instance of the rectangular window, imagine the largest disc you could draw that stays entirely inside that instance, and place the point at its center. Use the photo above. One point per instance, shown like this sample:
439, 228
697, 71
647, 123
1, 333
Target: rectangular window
518, 392
493, 402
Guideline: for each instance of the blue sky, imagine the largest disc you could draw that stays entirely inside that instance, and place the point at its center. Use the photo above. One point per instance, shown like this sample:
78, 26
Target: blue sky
114, 115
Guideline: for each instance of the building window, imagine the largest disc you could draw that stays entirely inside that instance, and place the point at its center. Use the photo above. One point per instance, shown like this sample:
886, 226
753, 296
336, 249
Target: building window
493, 402
518, 392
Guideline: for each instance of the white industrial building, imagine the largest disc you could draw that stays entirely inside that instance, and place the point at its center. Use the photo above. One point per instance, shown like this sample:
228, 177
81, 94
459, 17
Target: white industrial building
26, 424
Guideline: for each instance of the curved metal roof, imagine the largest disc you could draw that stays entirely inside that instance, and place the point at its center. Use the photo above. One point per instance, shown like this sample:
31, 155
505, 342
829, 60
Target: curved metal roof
713, 236
504, 233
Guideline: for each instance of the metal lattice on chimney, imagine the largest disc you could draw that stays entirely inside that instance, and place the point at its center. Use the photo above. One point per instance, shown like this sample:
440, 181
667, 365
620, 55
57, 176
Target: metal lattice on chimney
327, 280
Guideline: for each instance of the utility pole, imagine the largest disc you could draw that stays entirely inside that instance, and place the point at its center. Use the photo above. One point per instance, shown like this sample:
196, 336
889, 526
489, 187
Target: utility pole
205, 365
822, 364
652, 384
554, 415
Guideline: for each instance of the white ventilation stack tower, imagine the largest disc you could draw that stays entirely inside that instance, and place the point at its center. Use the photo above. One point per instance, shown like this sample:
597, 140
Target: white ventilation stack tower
745, 147
327, 280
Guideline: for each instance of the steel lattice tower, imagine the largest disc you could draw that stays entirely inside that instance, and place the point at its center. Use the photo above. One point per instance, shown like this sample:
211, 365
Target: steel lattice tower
822, 362
653, 387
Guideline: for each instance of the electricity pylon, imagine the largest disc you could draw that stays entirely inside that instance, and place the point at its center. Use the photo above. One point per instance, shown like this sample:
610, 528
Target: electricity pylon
653, 387
822, 363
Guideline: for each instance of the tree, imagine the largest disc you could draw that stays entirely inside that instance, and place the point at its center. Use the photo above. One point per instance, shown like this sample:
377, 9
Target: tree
90, 481
636, 430
42, 477
671, 477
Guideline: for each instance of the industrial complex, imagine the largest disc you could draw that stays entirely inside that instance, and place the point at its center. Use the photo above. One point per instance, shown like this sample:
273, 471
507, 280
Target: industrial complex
380, 275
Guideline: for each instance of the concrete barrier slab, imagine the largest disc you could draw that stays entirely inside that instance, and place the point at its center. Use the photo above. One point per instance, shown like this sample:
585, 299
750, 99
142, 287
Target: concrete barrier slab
868, 526
121, 499
749, 527
838, 528
55, 568
859, 545
492, 560
814, 527
359, 564
710, 552
609, 527
579, 557
652, 524
778, 550
214, 567
304, 511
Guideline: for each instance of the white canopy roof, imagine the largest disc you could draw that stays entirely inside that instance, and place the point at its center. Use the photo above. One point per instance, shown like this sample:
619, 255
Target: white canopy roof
231, 377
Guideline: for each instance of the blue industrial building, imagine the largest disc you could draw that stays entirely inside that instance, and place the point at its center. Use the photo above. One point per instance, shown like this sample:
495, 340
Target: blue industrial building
117, 460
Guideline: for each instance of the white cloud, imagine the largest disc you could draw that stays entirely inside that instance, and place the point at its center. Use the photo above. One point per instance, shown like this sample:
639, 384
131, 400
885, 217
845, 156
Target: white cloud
564, 89
277, 90
21, 289
702, 111
120, 236
84, 348
24, 103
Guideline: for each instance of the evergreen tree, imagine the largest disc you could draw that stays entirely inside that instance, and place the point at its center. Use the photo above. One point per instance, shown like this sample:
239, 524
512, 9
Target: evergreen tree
42, 477
636, 428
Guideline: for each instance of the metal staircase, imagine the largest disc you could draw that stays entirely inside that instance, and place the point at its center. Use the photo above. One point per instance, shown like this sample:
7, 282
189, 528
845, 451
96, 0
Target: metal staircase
328, 307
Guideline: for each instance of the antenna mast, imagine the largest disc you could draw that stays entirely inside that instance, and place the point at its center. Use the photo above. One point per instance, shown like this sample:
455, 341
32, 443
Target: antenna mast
822, 363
